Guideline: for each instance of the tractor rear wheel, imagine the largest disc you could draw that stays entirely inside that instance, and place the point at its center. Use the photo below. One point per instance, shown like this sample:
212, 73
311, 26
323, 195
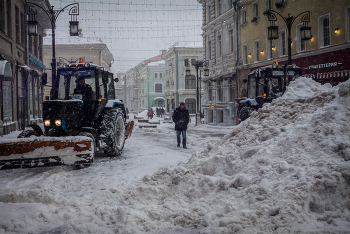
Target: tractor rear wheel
245, 113
113, 127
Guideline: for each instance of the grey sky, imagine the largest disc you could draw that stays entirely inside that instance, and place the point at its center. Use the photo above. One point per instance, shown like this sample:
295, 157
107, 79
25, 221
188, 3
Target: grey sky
134, 30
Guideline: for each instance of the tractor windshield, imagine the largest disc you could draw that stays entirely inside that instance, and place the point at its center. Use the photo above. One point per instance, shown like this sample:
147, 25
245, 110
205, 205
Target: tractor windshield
77, 85
255, 87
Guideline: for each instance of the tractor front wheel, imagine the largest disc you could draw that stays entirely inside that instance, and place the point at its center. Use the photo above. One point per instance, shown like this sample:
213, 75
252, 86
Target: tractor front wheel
113, 127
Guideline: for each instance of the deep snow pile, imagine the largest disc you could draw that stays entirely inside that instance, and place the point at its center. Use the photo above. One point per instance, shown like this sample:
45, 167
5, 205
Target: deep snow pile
284, 170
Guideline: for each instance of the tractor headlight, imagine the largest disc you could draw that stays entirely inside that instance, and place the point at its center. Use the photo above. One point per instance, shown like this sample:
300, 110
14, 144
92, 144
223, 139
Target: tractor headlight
47, 123
58, 122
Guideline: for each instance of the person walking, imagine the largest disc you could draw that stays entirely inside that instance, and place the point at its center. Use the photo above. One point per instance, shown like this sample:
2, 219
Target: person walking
150, 113
181, 118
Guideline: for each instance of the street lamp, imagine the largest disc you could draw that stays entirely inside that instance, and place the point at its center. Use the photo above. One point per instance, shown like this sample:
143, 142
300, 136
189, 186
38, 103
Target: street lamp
52, 15
197, 64
273, 30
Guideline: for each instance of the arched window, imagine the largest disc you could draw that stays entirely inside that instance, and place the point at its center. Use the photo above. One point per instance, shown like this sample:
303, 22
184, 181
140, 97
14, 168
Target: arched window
191, 105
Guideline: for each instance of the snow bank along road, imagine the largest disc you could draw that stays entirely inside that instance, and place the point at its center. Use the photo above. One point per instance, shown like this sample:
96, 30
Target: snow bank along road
284, 170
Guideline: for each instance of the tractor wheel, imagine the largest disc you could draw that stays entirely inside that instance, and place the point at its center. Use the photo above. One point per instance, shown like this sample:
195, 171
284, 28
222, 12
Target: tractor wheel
113, 127
245, 113
93, 151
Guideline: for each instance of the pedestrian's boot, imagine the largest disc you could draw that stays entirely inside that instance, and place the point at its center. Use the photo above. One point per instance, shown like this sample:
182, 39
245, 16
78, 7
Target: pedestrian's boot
185, 147
178, 144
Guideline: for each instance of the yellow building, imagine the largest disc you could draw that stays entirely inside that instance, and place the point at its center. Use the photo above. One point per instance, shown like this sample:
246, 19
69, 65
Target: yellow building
323, 57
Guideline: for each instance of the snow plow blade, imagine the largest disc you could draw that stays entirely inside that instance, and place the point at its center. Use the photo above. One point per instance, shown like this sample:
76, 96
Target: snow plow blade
129, 127
45, 151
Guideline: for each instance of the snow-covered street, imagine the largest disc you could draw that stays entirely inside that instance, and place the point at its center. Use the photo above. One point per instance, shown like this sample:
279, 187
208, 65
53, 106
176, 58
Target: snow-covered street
286, 169
50, 200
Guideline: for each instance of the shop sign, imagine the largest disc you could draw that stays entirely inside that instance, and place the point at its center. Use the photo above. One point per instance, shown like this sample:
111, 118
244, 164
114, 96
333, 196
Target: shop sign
323, 65
212, 106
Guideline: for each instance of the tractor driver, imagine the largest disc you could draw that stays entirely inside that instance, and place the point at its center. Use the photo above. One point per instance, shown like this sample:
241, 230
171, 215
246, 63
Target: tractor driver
84, 89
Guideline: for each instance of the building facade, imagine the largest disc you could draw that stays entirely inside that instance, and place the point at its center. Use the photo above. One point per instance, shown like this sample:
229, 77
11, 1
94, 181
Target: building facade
182, 87
94, 53
220, 40
323, 57
153, 85
21, 57
133, 84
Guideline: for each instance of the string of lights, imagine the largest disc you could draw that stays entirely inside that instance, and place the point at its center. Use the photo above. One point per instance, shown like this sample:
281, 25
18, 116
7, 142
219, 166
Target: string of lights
137, 29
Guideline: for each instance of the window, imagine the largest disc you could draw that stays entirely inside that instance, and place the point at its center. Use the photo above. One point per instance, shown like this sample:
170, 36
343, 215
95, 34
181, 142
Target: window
7, 100
207, 16
268, 5
324, 31
190, 82
230, 4
218, 47
220, 116
158, 88
347, 23
36, 47
210, 115
2, 15
18, 35
282, 43
23, 30
30, 44
255, 9
301, 44
8, 16
210, 91
244, 54
232, 89
209, 50
155, 75
219, 91
191, 105
187, 62
193, 61
231, 40
218, 8
40, 47
244, 16
256, 48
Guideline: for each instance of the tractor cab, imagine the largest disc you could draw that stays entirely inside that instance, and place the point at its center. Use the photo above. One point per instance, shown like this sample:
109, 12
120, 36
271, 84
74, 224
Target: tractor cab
264, 85
83, 91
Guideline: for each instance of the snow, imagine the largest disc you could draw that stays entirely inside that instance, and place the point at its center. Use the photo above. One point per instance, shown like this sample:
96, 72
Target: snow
286, 169
159, 63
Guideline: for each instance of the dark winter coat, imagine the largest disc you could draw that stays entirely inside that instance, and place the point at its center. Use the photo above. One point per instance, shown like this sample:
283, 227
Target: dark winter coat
181, 119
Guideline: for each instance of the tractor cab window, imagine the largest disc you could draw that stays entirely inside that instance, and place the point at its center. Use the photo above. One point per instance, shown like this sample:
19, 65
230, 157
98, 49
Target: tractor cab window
276, 85
77, 85
110, 87
261, 87
251, 87
101, 84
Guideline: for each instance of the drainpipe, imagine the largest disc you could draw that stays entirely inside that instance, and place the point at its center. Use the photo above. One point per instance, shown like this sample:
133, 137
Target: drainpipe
27, 100
177, 78
148, 88
236, 9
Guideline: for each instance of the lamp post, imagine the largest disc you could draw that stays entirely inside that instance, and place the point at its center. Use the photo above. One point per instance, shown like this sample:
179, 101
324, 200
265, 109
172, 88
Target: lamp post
273, 30
52, 15
197, 64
